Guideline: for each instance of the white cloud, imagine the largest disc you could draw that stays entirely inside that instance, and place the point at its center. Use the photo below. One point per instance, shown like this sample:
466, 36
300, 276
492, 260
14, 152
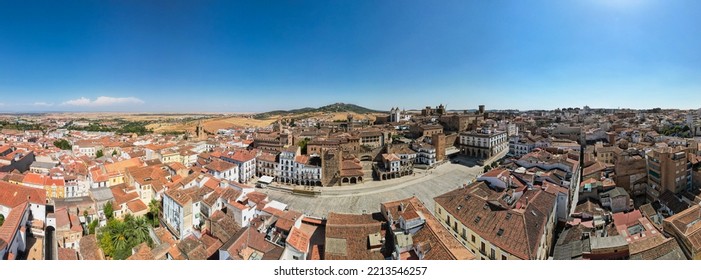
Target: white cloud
103, 101
43, 104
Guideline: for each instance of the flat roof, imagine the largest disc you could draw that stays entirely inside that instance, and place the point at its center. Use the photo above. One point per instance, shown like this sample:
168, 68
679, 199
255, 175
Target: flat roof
266, 179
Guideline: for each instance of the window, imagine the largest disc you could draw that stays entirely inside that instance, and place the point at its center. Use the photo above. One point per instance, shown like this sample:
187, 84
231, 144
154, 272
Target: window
503, 258
473, 238
500, 232
508, 216
477, 219
482, 250
492, 254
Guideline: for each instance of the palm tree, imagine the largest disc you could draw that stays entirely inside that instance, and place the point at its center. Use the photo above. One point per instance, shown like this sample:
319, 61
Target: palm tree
154, 208
139, 229
119, 233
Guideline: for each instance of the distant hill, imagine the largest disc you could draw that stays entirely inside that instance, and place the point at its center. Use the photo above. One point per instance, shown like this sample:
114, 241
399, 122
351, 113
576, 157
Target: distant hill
333, 108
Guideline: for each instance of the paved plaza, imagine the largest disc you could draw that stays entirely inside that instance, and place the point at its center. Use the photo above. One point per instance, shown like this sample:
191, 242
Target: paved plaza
356, 199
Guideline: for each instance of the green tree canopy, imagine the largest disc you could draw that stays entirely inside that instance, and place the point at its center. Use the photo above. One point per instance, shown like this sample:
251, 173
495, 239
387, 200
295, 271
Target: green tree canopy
119, 237
303, 144
109, 212
99, 154
63, 144
154, 212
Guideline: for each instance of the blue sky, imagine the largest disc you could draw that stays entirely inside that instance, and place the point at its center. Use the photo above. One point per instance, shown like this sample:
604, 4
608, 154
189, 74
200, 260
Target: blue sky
247, 56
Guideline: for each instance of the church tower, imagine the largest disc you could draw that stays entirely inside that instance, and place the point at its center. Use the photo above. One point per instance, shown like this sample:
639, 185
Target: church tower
199, 131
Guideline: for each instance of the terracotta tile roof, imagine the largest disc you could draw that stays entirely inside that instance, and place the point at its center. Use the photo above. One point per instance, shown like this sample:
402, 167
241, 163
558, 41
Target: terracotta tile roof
180, 196
347, 237
298, 240
12, 222
656, 248
244, 156
302, 159
156, 147
443, 244
317, 252
247, 241
75, 223
193, 249
211, 244
592, 169
165, 236
223, 227
516, 231
34, 179
351, 168
12, 195
284, 224
390, 157
687, 224
141, 253
268, 157
220, 165
121, 166
257, 197
63, 221
212, 183
176, 166
66, 254
149, 175
136, 206
89, 250
121, 196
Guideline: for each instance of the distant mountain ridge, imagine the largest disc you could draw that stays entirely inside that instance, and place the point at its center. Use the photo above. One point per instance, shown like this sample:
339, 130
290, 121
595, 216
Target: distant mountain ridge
332, 108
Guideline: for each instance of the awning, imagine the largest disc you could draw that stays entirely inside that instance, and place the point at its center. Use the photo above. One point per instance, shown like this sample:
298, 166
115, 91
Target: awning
266, 179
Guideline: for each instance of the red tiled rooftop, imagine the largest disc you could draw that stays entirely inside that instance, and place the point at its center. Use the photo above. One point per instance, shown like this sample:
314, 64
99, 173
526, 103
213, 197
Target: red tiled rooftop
12, 195
136, 206
12, 222
298, 240
66, 254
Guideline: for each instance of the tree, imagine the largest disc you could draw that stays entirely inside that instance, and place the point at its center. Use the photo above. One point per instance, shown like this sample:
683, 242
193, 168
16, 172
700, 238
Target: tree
109, 212
2, 219
487, 168
63, 144
154, 211
138, 230
495, 164
119, 237
303, 144
106, 243
99, 154
92, 226
114, 153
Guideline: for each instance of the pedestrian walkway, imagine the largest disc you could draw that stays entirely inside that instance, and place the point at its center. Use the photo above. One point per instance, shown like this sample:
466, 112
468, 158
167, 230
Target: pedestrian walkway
366, 198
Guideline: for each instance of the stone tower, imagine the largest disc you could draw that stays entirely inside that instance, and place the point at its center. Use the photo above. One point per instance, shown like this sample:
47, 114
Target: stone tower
330, 167
438, 141
441, 109
199, 131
